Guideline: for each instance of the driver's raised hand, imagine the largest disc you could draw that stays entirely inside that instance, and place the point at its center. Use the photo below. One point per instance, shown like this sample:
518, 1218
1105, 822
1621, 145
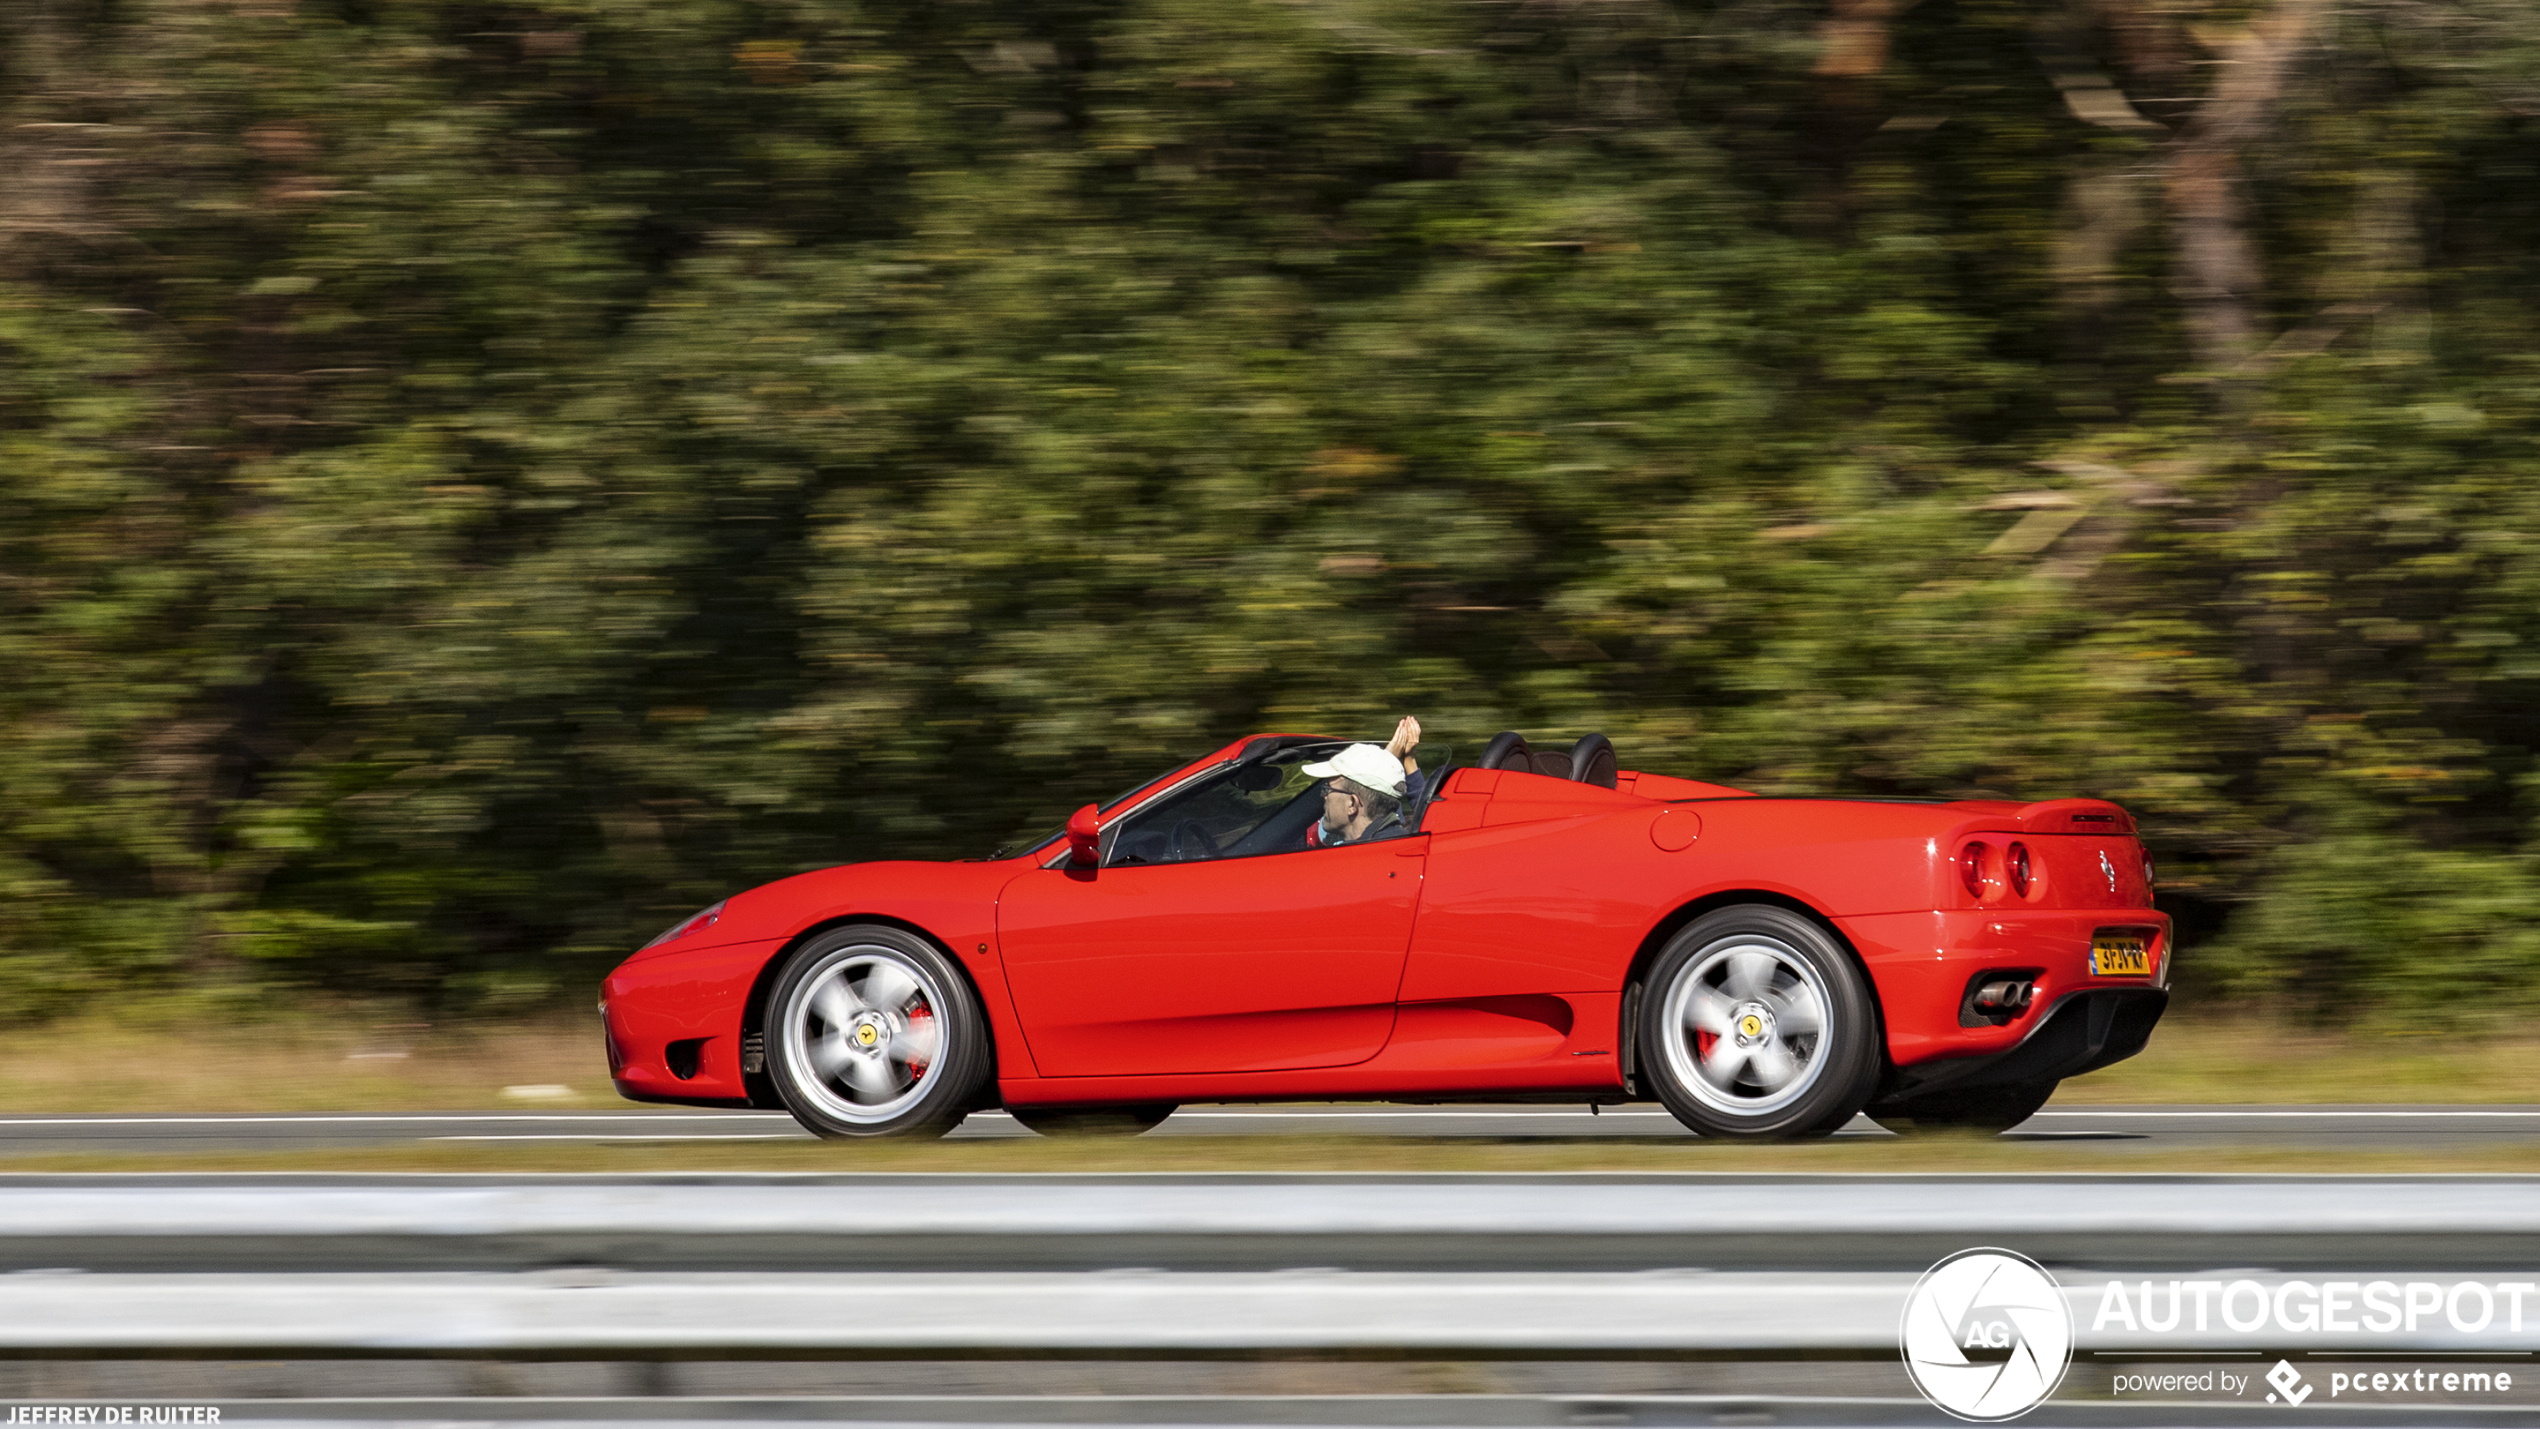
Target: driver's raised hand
1406, 733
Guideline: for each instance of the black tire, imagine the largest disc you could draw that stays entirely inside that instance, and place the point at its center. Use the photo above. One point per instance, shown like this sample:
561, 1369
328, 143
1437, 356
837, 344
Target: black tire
871, 1031
1801, 1027
1980, 1109
1094, 1120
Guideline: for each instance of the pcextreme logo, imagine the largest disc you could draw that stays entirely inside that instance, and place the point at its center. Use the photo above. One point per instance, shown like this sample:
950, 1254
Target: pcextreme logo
1986, 1335
2288, 1382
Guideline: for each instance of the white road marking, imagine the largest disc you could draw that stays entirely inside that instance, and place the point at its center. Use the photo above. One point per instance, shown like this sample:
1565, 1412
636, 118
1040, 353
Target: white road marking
390, 1119
1271, 1113
2146, 1115
638, 1136
2413, 1112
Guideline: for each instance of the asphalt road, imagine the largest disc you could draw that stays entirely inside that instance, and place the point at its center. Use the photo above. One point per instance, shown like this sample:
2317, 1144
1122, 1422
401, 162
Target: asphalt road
2373, 1128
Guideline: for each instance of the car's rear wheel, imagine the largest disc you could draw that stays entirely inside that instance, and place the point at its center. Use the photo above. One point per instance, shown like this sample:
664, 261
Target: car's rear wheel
1978, 1109
872, 1032
1093, 1120
1757, 1025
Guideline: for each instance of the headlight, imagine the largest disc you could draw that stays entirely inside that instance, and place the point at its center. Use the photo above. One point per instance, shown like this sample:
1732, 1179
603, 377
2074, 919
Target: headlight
705, 918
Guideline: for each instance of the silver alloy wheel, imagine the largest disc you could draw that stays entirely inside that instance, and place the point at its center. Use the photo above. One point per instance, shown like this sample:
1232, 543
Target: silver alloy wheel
865, 1034
1747, 1025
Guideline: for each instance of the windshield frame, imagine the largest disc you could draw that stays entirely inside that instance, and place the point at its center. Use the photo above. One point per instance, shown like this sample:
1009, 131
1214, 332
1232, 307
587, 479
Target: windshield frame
1248, 750
1294, 751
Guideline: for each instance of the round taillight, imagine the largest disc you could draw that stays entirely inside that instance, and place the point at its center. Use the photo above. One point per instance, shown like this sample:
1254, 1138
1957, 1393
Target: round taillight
1971, 869
2018, 862
2147, 875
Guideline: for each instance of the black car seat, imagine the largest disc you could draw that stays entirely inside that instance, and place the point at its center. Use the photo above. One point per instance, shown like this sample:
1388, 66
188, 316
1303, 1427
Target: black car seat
1592, 761
1507, 751
1430, 781
1552, 764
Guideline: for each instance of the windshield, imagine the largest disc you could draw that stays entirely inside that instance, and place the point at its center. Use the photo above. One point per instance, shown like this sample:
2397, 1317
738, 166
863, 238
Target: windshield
1260, 806
1258, 803
1016, 847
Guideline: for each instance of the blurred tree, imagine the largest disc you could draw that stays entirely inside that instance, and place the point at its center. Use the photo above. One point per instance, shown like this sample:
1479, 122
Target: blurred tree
484, 479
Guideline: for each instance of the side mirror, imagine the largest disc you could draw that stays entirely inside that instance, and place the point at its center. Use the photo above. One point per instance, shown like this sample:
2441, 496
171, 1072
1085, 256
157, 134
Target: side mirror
1084, 836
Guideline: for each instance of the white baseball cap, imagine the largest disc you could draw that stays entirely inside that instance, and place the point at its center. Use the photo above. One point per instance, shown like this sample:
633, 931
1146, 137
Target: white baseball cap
1366, 764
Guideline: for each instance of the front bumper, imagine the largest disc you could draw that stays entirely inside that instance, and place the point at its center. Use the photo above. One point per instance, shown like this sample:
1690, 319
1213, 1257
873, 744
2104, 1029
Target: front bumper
672, 1023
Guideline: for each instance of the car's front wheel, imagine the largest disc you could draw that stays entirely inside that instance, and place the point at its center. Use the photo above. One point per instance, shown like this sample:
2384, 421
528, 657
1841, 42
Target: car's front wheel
1093, 1120
1976, 1109
872, 1032
1757, 1025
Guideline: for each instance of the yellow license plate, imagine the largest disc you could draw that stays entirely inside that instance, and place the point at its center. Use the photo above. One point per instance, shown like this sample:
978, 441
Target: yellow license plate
2118, 955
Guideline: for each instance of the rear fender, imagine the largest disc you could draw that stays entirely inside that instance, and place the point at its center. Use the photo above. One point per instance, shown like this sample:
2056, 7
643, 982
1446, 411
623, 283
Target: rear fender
1636, 981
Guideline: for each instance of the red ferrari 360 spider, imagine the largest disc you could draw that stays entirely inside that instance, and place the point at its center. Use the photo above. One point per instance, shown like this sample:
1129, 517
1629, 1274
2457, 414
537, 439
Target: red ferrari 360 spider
1550, 928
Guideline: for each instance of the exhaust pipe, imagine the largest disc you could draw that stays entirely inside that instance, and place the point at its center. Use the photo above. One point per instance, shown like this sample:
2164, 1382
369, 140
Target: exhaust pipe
1997, 996
2008, 995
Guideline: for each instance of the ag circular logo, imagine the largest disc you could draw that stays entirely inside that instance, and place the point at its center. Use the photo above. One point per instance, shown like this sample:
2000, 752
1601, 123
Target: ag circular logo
1986, 1335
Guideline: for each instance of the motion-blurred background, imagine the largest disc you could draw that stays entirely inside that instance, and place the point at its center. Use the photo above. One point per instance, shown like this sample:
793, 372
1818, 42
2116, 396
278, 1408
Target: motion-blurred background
483, 479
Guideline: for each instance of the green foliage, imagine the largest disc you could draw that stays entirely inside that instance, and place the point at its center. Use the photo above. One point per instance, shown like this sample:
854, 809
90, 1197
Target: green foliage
481, 480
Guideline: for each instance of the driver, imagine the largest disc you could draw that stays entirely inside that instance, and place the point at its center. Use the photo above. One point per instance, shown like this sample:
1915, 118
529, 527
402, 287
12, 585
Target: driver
1362, 801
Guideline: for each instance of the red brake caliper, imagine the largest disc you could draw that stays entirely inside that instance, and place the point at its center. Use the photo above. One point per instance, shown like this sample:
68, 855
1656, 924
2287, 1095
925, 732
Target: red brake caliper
917, 1068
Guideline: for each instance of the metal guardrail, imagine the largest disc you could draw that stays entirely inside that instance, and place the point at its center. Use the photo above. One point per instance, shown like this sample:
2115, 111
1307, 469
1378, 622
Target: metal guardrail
1541, 1268
1581, 1223
899, 1314
591, 1314
1186, 1265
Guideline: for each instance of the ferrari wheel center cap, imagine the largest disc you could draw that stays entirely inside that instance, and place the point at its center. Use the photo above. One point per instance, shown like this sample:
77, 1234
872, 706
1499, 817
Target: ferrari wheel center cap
1754, 1023
868, 1034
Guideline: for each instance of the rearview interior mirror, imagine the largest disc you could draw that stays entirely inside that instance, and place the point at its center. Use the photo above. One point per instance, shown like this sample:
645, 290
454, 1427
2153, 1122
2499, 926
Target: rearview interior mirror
1259, 778
1084, 836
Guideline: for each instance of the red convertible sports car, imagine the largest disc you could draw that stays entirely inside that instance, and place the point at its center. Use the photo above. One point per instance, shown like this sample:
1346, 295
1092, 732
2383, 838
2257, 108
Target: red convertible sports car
1549, 927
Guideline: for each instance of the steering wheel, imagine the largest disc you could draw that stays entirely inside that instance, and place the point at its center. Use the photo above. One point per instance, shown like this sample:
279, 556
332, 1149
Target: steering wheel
1189, 840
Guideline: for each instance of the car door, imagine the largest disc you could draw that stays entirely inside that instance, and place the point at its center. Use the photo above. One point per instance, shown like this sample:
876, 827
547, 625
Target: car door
1223, 961
1245, 965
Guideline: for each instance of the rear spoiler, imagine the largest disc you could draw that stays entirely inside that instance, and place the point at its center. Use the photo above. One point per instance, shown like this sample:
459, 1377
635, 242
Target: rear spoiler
2075, 816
